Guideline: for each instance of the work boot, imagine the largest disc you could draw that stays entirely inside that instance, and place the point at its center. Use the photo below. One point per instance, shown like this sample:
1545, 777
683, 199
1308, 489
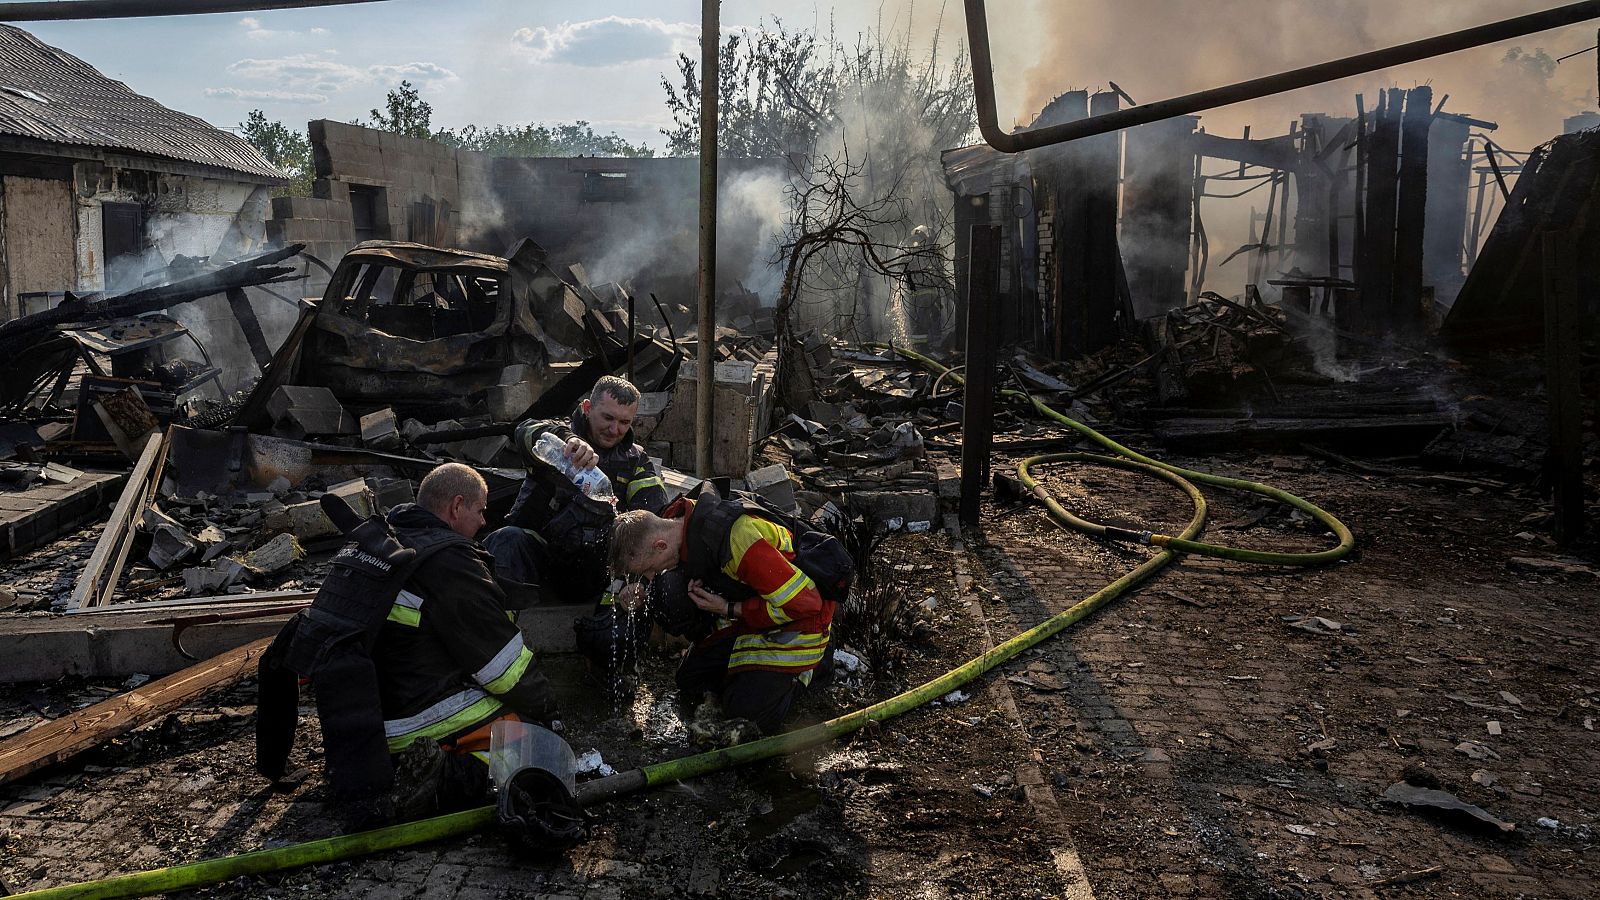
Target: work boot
418, 775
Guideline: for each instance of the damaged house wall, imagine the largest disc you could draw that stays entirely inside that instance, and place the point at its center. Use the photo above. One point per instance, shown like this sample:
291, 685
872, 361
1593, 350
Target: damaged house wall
102, 185
375, 185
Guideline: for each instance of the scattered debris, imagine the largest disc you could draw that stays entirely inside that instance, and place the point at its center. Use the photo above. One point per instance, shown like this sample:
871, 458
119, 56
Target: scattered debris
1317, 625
1414, 797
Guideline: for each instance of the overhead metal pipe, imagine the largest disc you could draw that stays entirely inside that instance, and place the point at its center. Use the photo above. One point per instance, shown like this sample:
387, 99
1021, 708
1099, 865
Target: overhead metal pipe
65, 10
705, 343
1360, 64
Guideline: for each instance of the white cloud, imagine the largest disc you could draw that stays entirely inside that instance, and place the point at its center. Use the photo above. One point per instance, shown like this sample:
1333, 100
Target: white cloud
307, 72
610, 41
414, 72
229, 93
255, 31
301, 70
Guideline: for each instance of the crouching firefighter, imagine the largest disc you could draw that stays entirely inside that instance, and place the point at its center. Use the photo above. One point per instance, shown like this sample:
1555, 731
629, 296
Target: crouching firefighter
558, 537
771, 583
412, 653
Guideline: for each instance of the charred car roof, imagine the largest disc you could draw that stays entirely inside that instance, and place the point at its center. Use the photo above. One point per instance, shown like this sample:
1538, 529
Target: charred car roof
421, 256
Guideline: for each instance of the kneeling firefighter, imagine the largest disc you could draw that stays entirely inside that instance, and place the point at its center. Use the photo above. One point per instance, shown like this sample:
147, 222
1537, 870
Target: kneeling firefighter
413, 655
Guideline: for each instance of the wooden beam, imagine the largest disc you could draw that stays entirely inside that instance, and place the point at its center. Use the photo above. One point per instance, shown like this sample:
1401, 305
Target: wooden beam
89, 590
63, 738
245, 314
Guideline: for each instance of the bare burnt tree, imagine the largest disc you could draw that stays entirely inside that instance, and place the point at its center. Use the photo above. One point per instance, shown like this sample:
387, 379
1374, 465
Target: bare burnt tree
837, 233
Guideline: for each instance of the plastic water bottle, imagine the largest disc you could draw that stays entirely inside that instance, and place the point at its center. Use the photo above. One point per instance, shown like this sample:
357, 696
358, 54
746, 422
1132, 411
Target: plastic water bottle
591, 481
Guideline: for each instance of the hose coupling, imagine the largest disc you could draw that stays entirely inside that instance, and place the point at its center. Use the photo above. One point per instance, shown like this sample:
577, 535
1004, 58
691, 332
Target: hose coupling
1128, 536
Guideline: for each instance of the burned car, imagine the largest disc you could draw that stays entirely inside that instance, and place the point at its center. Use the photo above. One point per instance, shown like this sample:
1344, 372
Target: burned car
402, 323
429, 332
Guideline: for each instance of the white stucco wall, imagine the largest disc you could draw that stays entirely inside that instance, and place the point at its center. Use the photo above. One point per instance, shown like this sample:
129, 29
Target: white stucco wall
185, 215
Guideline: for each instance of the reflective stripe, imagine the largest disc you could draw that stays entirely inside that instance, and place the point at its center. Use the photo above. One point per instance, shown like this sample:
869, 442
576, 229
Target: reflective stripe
635, 487
789, 649
407, 609
448, 716
508, 679
403, 616
789, 589
777, 658
500, 662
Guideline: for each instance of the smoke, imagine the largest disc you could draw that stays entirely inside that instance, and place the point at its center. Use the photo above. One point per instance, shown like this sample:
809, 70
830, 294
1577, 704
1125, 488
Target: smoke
1156, 49
1184, 47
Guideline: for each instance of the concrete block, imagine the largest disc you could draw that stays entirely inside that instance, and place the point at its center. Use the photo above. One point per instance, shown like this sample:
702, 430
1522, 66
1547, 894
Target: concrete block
380, 431
517, 373
308, 522
907, 506
773, 483
391, 492
169, 542
484, 450
507, 402
300, 411
274, 556
201, 581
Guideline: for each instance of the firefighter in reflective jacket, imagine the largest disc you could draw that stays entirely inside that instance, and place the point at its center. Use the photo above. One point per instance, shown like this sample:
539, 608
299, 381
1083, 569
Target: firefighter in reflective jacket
554, 536
449, 659
772, 639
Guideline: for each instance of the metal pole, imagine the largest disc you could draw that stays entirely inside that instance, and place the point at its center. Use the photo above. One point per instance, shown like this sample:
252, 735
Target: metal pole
53, 11
977, 412
633, 338
705, 343
1562, 385
1012, 142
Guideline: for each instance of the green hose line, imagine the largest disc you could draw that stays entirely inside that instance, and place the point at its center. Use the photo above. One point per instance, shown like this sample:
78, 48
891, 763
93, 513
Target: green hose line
1346, 543
214, 871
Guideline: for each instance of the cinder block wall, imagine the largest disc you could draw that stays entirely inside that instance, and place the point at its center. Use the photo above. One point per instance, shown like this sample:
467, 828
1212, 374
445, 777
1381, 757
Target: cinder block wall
404, 171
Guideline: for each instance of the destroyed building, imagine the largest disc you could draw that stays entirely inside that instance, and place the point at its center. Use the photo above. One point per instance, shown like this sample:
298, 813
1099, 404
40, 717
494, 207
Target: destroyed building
619, 217
102, 185
1405, 341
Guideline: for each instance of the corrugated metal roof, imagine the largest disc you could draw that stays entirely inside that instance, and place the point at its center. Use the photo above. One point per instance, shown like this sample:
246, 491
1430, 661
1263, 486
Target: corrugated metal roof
50, 95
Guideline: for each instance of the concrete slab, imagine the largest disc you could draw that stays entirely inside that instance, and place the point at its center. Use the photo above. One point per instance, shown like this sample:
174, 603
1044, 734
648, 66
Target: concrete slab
37, 516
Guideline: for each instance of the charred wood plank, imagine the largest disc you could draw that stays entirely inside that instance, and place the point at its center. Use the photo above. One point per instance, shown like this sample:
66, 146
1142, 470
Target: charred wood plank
63, 738
105, 562
1411, 213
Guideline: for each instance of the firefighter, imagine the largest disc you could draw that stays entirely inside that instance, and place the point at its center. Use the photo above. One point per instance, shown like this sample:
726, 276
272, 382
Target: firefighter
449, 659
556, 537
773, 623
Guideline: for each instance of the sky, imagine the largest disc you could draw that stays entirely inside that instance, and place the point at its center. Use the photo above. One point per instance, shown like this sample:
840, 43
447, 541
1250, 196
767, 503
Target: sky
483, 62
519, 61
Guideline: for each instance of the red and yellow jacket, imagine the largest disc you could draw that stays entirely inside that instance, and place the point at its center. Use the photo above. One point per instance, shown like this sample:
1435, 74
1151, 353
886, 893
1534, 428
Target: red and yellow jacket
784, 623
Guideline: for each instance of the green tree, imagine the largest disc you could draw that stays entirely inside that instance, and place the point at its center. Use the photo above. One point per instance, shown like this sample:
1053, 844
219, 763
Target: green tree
782, 91
407, 113
285, 148
537, 139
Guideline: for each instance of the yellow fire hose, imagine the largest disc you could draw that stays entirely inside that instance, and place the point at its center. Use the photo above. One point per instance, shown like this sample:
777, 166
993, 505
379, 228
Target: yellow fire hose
214, 871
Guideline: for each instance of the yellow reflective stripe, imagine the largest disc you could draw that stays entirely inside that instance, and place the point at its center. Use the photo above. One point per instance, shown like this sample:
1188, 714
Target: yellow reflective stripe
402, 733
776, 657
789, 589
405, 615
514, 674
638, 485
784, 649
